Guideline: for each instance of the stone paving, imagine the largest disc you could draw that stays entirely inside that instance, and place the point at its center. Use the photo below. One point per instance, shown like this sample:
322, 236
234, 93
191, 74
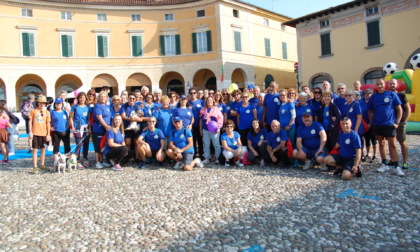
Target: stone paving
209, 209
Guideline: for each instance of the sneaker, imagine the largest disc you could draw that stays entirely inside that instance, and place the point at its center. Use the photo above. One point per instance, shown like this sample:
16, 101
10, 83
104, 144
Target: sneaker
200, 163
80, 166
324, 167
86, 163
178, 166
205, 161
307, 165
43, 167
217, 161
359, 172
142, 165
405, 166
239, 163
383, 168
338, 172
117, 167
398, 171
35, 170
373, 159
99, 165
106, 164
112, 162
262, 163
227, 164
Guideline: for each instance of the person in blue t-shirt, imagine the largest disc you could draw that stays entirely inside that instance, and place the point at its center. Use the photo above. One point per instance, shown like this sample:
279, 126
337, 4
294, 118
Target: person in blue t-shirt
131, 119
382, 106
257, 143
287, 116
185, 113
341, 99
151, 144
316, 102
236, 102
260, 106
246, 112
180, 147
271, 105
353, 110
196, 106
276, 144
329, 118
116, 150
232, 145
310, 142
302, 107
163, 116
60, 127
349, 154
79, 124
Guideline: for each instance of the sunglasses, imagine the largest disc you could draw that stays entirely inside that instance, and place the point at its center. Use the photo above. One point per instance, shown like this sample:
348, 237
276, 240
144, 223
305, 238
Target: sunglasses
317, 92
225, 94
348, 95
244, 97
149, 97
340, 88
91, 94
193, 92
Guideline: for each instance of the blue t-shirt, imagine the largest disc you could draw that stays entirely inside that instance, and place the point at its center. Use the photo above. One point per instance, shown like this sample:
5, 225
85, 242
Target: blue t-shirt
299, 112
127, 109
164, 120
365, 111
286, 113
113, 112
234, 106
118, 139
275, 139
226, 110
105, 112
340, 101
59, 120
310, 135
231, 142
326, 118
180, 139
255, 101
316, 105
148, 109
383, 107
260, 110
185, 114
348, 144
80, 115
272, 103
246, 115
256, 138
196, 106
153, 138
351, 111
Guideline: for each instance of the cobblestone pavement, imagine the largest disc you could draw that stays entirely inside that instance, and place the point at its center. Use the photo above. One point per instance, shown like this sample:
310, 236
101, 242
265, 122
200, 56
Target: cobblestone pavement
209, 209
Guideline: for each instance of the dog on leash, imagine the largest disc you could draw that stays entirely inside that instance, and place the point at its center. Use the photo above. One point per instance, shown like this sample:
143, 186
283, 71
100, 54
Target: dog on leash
60, 162
72, 162
133, 125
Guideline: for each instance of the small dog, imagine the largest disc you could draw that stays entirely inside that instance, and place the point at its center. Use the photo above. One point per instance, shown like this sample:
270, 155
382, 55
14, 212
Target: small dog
133, 125
72, 162
60, 163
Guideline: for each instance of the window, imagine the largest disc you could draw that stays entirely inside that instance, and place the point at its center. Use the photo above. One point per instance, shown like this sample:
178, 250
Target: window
135, 17
201, 13
266, 22
136, 45
237, 37
28, 44
267, 47
325, 44
26, 12
372, 11
283, 27
284, 47
201, 42
169, 17
65, 15
66, 45
170, 44
371, 77
102, 45
324, 23
101, 17
373, 33
236, 13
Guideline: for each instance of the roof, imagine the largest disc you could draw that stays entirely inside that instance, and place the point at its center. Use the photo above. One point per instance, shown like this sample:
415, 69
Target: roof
124, 2
326, 12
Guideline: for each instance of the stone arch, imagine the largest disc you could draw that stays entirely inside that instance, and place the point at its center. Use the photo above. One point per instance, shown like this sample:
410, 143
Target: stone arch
26, 84
105, 79
137, 81
172, 81
372, 73
69, 83
239, 77
267, 80
205, 79
318, 78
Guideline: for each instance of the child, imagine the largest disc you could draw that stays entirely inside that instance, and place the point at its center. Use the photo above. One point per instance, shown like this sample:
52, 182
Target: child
39, 131
4, 136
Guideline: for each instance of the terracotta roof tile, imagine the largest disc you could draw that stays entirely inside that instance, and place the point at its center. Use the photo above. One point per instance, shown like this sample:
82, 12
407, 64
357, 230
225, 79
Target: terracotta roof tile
124, 2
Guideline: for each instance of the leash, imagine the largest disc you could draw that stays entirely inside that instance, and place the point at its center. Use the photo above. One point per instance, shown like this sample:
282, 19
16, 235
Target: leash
81, 141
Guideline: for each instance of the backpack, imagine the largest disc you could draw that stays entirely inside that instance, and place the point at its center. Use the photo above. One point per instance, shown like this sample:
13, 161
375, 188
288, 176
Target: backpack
26, 109
12, 118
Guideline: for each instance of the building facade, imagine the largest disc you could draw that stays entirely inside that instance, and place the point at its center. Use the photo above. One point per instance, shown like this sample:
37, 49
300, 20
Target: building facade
168, 44
354, 41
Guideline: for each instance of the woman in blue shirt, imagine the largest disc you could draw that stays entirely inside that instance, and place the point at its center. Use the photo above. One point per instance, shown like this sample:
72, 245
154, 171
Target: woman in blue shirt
330, 118
232, 145
185, 113
115, 150
257, 143
79, 124
287, 116
246, 112
60, 127
163, 116
302, 107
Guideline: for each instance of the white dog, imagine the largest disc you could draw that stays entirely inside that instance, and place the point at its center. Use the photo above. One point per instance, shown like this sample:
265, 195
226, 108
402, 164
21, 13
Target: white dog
72, 162
133, 125
60, 162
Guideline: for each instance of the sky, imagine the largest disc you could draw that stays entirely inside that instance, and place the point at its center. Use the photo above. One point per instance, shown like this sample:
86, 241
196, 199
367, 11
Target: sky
295, 8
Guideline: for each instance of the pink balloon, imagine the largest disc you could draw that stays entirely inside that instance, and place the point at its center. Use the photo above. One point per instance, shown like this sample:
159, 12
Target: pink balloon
213, 126
76, 92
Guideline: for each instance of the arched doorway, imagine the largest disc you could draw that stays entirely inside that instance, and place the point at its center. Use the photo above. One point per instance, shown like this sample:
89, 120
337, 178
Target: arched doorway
137, 81
68, 83
205, 78
172, 81
239, 77
268, 79
27, 84
317, 80
105, 79
211, 84
175, 86
370, 77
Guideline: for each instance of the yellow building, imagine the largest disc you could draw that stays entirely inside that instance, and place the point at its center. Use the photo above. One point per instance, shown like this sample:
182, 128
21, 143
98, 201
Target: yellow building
50, 46
354, 41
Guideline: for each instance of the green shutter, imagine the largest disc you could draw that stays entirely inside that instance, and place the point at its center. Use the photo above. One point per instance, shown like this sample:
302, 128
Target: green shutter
25, 44
162, 45
209, 48
373, 33
101, 46
136, 42
194, 42
178, 44
238, 46
267, 47
31, 37
64, 46
284, 47
325, 44
105, 46
70, 45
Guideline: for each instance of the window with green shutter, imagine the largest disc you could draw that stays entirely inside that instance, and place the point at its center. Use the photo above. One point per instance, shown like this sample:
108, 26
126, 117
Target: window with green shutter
102, 46
178, 44
325, 44
373, 33
137, 46
201, 42
284, 47
209, 41
238, 45
67, 45
267, 47
28, 44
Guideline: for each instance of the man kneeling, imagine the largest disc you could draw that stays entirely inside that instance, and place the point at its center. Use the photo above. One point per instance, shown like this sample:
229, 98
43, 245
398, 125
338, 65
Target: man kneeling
151, 143
350, 152
180, 147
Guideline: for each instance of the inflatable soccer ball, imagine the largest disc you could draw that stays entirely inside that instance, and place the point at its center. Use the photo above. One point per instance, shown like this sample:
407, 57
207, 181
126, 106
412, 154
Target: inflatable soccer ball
390, 68
415, 61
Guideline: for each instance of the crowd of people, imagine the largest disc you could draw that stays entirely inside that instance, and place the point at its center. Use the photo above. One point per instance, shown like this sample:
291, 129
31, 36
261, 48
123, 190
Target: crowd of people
311, 128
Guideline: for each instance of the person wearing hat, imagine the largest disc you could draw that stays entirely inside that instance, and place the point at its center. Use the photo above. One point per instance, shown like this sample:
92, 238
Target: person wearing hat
60, 127
310, 141
180, 147
39, 131
185, 113
63, 95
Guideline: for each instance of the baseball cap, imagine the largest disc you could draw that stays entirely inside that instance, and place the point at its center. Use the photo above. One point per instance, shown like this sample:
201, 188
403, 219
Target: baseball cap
177, 119
183, 97
250, 86
307, 114
58, 100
